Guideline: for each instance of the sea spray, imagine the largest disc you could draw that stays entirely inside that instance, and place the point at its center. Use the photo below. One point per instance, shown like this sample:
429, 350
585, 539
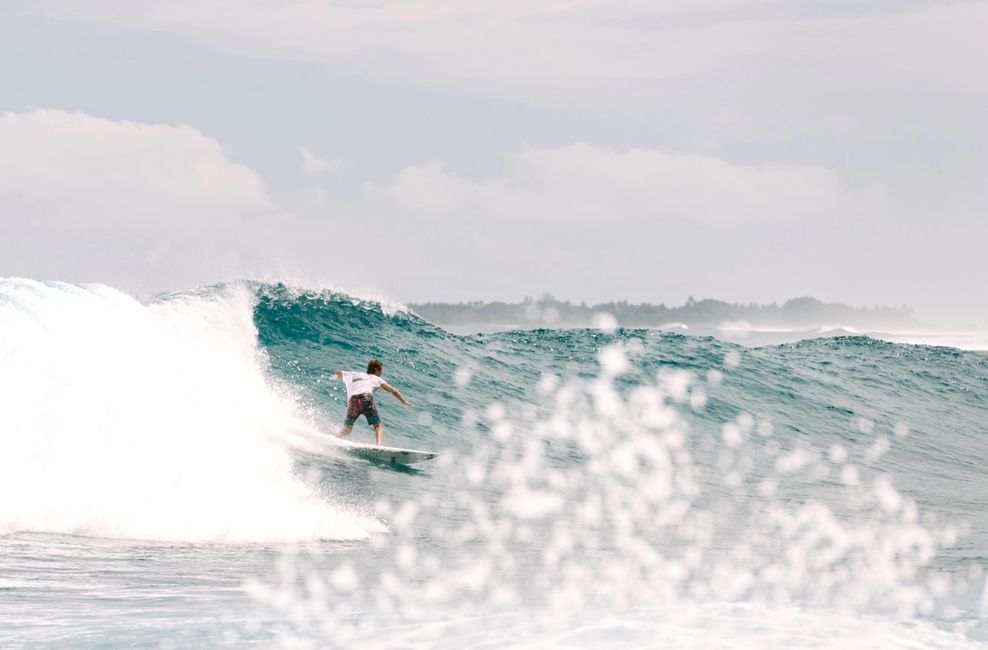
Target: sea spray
592, 516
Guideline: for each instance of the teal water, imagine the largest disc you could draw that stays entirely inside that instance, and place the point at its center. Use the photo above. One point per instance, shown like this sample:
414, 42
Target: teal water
170, 481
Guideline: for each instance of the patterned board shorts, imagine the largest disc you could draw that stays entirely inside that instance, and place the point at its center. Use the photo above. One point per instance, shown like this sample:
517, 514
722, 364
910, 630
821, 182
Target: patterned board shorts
362, 405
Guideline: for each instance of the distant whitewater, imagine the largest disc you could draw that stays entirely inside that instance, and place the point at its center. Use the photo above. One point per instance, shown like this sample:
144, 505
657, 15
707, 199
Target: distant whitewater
750, 325
169, 482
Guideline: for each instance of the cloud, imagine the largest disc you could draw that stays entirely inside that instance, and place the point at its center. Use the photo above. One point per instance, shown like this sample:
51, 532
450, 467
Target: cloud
313, 165
506, 41
132, 204
74, 171
592, 184
567, 41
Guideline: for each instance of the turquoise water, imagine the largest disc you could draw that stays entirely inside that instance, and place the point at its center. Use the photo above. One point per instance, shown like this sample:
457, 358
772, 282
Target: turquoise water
170, 481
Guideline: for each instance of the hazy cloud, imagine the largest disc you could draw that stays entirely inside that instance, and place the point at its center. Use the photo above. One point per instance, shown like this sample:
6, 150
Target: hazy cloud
589, 183
566, 41
75, 171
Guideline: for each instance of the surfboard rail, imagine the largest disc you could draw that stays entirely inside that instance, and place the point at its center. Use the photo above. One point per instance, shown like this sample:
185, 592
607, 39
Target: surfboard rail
394, 455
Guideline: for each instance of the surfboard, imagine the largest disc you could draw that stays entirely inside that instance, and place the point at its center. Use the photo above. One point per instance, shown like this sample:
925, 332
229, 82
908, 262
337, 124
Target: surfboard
394, 455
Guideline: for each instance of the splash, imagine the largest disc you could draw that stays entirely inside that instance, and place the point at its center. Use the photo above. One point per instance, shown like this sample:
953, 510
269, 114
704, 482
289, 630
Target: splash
152, 421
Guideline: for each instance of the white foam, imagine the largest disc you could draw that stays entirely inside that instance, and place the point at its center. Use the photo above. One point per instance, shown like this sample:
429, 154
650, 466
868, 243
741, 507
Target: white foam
151, 421
973, 341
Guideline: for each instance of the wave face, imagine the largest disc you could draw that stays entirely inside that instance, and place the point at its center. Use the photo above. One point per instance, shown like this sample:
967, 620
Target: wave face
629, 475
587, 470
847, 391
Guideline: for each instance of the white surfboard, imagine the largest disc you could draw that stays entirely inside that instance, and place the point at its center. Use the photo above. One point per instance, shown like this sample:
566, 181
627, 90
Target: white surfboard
394, 455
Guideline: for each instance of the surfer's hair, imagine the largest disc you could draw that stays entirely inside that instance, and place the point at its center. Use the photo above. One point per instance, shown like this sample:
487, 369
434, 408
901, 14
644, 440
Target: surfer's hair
373, 366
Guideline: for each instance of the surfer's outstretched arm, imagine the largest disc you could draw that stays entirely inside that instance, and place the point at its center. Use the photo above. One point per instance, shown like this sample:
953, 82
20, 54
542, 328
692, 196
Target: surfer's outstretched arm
394, 391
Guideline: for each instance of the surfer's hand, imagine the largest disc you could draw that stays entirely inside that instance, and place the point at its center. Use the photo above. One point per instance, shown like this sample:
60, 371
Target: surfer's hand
406, 402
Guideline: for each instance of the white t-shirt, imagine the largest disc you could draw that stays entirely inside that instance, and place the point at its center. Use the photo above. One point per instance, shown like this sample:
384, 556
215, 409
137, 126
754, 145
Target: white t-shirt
360, 383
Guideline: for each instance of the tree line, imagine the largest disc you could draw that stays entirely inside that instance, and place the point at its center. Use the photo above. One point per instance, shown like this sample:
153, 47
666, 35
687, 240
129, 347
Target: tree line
547, 310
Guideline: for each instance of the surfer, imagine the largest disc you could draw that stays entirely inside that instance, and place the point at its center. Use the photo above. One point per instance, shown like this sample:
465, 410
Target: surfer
360, 387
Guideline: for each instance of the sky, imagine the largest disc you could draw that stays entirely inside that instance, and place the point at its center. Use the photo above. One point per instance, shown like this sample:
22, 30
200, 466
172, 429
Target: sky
649, 151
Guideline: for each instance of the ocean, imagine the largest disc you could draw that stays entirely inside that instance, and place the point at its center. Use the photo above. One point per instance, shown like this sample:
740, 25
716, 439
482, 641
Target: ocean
170, 480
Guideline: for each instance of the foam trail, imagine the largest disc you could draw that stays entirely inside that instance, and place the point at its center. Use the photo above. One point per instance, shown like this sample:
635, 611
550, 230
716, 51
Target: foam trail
150, 421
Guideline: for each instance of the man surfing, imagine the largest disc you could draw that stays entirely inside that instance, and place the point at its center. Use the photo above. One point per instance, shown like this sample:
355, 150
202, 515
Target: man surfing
360, 387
